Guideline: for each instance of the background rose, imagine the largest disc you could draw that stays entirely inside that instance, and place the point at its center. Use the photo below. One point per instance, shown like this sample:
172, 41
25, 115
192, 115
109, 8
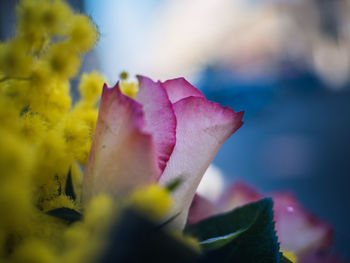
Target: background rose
298, 230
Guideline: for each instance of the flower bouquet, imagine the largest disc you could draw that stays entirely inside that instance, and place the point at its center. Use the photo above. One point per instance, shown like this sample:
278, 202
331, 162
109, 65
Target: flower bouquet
114, 179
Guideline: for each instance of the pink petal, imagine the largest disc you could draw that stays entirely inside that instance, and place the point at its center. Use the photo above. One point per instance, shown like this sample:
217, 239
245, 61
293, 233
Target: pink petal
238, 194
202, 127
180, 88
159, 116
122, 156
200, 209
298, 229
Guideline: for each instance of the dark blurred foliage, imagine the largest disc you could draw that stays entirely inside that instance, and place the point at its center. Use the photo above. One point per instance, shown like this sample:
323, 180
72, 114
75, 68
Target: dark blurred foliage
134, 238
242, 235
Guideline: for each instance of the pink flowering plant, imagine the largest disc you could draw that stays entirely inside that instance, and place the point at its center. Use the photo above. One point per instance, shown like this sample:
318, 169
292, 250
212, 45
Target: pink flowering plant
169, 132
114, 178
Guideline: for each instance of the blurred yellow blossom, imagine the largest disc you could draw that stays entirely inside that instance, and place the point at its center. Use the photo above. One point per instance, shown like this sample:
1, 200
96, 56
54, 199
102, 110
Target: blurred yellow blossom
15, 62
34, 251
43, 134
62, 60
290, 255
84, 239
91, 86
153, 201
83, 34
129, 88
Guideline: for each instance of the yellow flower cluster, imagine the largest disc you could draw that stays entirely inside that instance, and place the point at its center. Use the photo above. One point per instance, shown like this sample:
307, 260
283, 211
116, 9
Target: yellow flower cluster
45, 138
43, 134
80, 242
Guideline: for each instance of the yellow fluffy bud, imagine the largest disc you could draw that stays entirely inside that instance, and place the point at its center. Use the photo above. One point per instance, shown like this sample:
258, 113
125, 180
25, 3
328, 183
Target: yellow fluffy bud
129, 88
42, 16
77, 136
85, 112
54, 16
83, 34
90, 86
14, 62
15, 154
34, 251
32, 126
62, 60
153, 201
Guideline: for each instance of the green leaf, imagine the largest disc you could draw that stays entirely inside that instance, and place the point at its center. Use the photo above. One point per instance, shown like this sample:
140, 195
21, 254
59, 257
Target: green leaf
217, 242
245, 234
69, 186
65, 213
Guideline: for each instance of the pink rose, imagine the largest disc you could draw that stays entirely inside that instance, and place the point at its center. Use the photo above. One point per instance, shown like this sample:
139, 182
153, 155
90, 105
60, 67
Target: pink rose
169, 130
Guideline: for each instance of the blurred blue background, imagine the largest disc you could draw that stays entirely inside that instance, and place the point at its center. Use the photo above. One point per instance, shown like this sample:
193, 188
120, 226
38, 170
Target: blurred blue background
285, 63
